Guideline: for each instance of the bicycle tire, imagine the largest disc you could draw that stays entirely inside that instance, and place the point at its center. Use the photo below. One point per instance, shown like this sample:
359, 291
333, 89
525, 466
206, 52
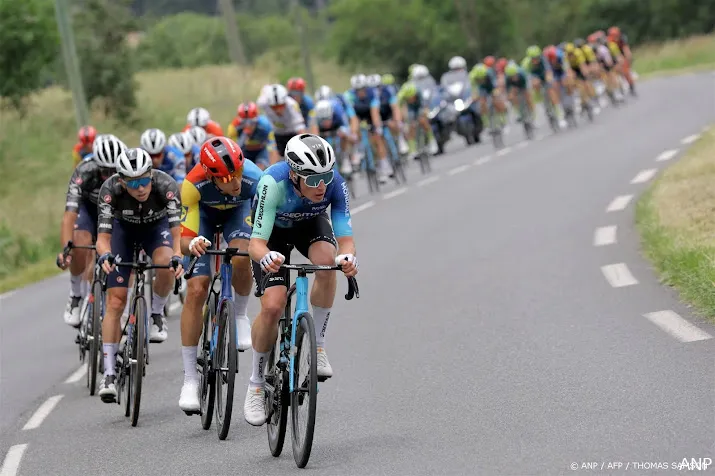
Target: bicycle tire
207, 378
278, 379
139, 348
226, 340
303, 443
95, 346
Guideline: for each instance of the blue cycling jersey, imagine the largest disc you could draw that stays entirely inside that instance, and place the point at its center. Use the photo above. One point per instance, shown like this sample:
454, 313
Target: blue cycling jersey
173, 163
261, 138
307, 107
345, 104
334, 123
362, 105
387, 96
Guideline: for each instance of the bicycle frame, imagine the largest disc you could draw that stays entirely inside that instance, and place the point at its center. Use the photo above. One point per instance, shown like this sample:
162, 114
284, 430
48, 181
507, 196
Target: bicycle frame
301, 306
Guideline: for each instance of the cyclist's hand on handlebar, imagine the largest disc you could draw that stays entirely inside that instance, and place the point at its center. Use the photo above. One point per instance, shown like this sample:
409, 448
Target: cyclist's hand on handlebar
349, 264
199, 245
177, 266
106, 261
63, 261
272, 261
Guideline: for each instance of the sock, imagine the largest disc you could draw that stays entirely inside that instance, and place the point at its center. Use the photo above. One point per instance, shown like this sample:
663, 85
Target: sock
259, 365
320, 318
158, 303
109, 357
75, 285
85, 287
241, 304
188, 352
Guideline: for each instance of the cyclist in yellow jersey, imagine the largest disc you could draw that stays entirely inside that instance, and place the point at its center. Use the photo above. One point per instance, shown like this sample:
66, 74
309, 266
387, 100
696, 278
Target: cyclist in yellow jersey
577, 62
592, 70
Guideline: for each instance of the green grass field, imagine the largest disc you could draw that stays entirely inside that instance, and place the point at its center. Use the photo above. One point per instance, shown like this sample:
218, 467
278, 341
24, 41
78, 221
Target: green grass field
674, 57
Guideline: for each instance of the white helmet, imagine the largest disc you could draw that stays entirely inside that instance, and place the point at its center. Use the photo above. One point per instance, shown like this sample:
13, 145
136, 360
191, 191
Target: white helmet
358, 81
420, 72
324, 92
309, 153
324, 110
182, 141
374, 80
153, 141
457, 62
198, 116
133, 162
276, 94
197, 134
106, 148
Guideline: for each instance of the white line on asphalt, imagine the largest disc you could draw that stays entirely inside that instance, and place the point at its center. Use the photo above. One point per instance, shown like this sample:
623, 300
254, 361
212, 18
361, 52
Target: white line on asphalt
521, 145
644, 175
7, 295
619, 203
394, 193
676, 326
42, 412
666, 155
483, 160
689, 139
605, 235
12, 460
174, 306
362, 207
504, 151
77, 374
459, 169
427, 181
618, 275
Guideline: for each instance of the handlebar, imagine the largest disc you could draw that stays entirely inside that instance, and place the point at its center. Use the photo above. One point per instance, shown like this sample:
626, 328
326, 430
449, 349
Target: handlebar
353, 290
141, 266
69, 247
228, 253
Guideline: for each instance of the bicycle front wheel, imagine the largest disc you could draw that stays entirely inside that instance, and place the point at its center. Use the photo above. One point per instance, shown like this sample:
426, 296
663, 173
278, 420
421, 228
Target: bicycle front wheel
276, 399
94, 336
226, 365
137, 356
207, 376
303, 400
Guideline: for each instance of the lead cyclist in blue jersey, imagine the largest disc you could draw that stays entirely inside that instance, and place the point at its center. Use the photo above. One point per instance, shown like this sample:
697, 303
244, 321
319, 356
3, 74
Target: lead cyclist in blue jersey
390, 112
163, 157
291, 211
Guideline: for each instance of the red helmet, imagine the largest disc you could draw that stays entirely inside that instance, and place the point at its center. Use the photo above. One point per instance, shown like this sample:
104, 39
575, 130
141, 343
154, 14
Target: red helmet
614, 31
296, 84
489, 61
87, 134
247, 110
550, 52
222, 158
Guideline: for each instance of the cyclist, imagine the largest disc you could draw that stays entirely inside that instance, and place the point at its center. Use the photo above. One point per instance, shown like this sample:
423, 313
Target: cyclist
85, 138
291, 212
164, 157
79, 222
200, 117
517, 81
539, 70
620, 48
577, 62
198, 134
184, 143
423, 79
485, 79
608, 64
411, 97
341, 101
296, 90
366, 103
332, 121
137, 205
218, 191
283, 112
257, 139
390, 113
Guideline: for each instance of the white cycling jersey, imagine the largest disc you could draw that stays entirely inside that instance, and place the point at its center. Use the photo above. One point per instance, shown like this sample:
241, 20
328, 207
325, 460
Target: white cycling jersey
604, 54
290, 122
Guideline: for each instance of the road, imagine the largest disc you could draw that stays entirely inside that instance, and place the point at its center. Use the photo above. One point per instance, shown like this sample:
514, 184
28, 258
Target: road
491, 336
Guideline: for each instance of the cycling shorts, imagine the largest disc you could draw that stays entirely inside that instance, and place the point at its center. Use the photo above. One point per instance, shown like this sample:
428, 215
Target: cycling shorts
385, 112
87, 219
579, 74
125, 236
258, 157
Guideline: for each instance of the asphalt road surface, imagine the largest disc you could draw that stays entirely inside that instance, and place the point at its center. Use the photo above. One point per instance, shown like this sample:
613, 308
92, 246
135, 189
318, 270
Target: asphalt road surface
507, 325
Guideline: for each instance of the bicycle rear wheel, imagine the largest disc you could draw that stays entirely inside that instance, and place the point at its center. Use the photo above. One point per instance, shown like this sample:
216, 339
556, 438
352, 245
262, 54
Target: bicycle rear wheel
276, 400
305, 389
207, 382
226, 365
94, 336
137, 356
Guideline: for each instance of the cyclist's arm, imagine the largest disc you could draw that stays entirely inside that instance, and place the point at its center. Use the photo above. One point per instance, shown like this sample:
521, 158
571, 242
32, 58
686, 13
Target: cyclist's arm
74, 199
105, 218
312, 122
170, 191
396, 111
271, 147
231, 131
340, 216
190, 215
269, 195
297, 120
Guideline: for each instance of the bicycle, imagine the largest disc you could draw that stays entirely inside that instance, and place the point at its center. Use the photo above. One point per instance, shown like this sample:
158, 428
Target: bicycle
285, 385
131, 364
525, 115
368, 162
217, 359
495, 125
394, 155
421, 146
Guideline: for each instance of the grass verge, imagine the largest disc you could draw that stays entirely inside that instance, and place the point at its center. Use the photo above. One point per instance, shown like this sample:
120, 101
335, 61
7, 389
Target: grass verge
692, 54
677, 225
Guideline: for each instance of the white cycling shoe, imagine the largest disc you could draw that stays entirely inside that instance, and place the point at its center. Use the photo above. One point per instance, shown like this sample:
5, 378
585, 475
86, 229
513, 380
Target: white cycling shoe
324, 368
71, 315
254, 408
189, 399
243, 329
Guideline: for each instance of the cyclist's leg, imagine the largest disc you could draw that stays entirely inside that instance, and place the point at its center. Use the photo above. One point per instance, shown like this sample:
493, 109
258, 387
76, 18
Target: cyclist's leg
85, 228
237, 232
158, 243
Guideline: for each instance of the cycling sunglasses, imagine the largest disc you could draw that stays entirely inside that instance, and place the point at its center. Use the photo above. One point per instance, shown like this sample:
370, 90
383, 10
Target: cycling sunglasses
136, 183
229, 178
314, 180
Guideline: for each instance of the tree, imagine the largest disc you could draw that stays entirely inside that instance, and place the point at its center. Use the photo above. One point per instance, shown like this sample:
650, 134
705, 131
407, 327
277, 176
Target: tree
29, 40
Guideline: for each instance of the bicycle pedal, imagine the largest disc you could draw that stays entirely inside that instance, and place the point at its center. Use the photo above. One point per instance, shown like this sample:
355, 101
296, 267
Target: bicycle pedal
322, 379
192, 412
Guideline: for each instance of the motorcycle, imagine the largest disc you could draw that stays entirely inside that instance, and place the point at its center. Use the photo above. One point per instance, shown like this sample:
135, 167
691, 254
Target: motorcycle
455, 115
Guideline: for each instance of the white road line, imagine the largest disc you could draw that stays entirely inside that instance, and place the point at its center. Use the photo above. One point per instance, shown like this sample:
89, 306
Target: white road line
504, 151
394, 193
459, 169
689, 139
666, 155
521, 145
619, 203
7, 295
42, 412
12, 460
77, 374
644, 175
427, 181
360, 208
174, 306
605, 235
618, 275
483, 160
676, 326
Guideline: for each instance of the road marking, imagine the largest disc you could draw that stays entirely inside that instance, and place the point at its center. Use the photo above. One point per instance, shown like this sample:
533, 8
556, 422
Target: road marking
42, 412
521, 145
427, 181
503, 152
362, 207
618, 275
689, 139
605, 235
394, 193
666, 155
77, 374
7, 295
459, 169
483, 160
619, 203
644, 175
174, 306
676, 326
12, 460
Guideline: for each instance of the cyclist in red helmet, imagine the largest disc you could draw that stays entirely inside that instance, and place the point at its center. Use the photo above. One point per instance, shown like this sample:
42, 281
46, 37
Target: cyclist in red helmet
296, 90
254, 133
217, 192
83, 147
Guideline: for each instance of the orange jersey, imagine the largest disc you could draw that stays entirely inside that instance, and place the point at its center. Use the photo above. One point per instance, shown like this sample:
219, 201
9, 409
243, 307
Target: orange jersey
211, 128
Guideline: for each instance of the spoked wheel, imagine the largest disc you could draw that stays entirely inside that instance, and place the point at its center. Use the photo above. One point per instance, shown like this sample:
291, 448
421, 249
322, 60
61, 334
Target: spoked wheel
372, 182
137, 357
303, 400
226, 366
207, 382
94, 336
277, 399
399, 171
